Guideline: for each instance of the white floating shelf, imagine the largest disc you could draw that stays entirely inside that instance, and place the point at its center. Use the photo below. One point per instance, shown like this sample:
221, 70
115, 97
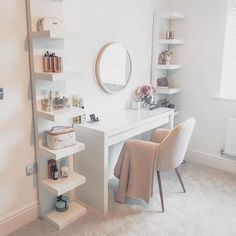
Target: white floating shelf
62, 114
57, 76
62, 219
172, 16
171, 41
177, 113
168, 91
61, 153
54, 34
169, 67
64, 185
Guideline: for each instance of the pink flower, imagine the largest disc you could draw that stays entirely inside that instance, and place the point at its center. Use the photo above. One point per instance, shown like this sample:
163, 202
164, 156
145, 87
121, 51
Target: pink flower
145, 91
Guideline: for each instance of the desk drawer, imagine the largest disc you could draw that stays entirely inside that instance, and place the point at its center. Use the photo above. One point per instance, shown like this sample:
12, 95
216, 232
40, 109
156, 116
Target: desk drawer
129, 133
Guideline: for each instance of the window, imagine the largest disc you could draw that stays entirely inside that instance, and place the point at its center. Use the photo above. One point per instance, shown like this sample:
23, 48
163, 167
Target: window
228, 84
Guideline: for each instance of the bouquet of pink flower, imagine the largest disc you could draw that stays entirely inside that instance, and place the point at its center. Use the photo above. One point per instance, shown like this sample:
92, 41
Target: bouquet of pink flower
146, 93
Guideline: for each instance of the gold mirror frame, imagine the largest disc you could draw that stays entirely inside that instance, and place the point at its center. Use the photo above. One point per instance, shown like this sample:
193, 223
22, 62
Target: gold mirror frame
97, 69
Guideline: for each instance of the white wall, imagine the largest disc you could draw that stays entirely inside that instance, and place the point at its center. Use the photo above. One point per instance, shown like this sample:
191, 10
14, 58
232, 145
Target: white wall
98, 23
203, 31
16, 147
128, 22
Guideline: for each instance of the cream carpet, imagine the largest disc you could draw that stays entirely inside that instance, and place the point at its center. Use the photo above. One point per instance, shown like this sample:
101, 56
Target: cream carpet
207, 209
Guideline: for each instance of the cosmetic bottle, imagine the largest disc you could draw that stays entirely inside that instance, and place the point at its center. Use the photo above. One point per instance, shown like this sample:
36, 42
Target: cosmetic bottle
47, 62
81, 103
83, 119
75, 101
55, 173
51, 66
167, 34
64, 166
172, 34
54, 61
59, 64
49, 106
62, 203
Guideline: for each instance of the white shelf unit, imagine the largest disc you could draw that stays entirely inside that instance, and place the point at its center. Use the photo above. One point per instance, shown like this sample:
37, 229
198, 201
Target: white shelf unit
171, 41
54, 34
169, 67
168, 91
50, 189
64, 185
61, 153
172, 16
64, 76
163, 22
62, 219
60, 115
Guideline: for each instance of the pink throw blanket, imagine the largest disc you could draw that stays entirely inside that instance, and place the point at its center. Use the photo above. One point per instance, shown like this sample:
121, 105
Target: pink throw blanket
135, 170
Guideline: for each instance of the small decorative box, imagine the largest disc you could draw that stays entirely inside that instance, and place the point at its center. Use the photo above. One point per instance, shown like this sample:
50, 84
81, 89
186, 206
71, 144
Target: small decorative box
60, 137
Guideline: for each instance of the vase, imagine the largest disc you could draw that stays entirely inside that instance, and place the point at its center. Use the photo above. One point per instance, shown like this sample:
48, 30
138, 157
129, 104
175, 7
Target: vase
145, 105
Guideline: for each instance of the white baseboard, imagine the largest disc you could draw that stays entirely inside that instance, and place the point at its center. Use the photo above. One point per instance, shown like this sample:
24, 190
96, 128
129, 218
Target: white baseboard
19, 218
216, 162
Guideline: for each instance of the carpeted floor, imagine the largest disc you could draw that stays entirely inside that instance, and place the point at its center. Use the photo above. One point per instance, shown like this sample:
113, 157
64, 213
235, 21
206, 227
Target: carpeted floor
207, 209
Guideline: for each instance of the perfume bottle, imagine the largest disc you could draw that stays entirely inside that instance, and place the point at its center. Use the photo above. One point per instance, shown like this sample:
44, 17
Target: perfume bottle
75, 101
49, 106
64, 166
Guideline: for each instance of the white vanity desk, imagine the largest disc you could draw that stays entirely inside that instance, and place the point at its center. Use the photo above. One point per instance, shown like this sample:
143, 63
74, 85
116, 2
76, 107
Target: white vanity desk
98, 137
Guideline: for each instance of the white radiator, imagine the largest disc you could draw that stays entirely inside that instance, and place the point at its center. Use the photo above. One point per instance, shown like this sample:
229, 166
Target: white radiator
230, 142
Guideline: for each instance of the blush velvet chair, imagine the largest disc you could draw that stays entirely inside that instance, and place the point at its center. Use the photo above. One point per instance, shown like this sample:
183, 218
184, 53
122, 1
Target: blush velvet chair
172, 146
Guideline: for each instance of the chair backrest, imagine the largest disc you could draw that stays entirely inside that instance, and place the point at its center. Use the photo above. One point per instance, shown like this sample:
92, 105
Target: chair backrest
172, 150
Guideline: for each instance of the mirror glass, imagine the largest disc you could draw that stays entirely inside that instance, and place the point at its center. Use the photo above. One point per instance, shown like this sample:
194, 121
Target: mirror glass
113, 68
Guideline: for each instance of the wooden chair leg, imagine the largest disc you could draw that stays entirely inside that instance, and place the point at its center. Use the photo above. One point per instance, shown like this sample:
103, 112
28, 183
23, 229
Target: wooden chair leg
160, 190
180, 179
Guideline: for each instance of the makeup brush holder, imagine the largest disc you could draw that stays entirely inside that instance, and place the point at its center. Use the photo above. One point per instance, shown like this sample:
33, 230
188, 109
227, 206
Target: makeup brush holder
52, 63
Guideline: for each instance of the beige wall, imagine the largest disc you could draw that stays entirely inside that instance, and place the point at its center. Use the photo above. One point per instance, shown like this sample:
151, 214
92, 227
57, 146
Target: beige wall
16, 147
98, 22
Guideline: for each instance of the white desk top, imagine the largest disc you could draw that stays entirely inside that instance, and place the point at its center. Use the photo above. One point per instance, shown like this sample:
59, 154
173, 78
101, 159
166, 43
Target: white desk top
122, 120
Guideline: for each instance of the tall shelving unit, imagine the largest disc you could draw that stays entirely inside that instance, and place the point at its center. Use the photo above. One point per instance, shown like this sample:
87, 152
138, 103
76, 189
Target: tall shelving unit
163, 22
50, 189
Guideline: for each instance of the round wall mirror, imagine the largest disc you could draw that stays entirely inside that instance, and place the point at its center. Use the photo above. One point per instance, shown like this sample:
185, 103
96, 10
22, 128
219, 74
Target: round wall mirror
113, 68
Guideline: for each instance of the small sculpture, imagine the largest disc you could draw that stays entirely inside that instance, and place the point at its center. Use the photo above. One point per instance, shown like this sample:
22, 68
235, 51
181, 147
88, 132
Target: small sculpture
163, 82
93, 118
166, 103
165, 58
